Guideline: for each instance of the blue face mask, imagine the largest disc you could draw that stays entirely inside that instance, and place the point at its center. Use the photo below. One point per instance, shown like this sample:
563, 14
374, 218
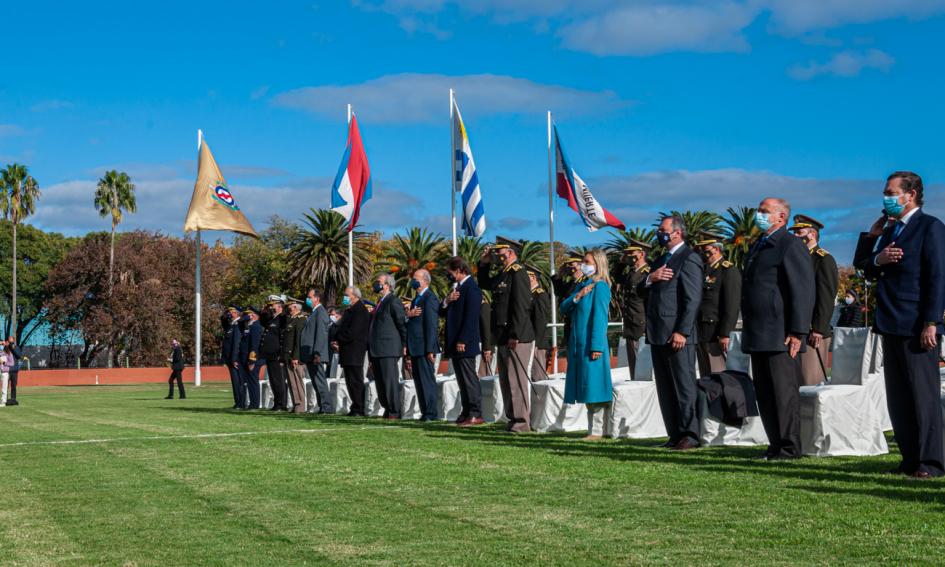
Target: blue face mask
414, 284
763, 220
346, 300
662, 238
892, 206
377, 287
308, 302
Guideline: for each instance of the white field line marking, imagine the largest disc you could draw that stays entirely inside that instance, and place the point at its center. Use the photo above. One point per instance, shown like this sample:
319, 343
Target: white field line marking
174, 437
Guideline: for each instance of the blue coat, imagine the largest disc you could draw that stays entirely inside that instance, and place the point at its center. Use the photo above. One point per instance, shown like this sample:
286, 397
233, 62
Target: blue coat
588, 381
422, 331
462, 321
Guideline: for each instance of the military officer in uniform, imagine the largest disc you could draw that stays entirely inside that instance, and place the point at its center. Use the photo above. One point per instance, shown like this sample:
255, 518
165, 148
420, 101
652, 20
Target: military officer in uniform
630, 274
270, 348
721, 300
249, 365
540, 316
231, 349
292, 353
512, 328
826, 282
565, 281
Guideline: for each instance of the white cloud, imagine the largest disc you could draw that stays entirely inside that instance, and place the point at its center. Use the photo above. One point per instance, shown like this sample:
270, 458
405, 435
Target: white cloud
844, 64
798, 16
413, 97
11, 130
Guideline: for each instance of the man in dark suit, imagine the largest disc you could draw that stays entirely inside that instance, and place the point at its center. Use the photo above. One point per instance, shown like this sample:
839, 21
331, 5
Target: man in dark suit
250, 364
721, 296
777, 303
905, 252
270, 348
423, 320
314, 349
462, 310
630, 272
351, 338
826, 283
540, 315
231, 353
674, 291
387, 344
177, 369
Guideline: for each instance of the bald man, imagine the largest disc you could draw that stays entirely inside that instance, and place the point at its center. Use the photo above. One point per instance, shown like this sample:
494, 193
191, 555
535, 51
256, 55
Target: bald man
777, 306
423, 318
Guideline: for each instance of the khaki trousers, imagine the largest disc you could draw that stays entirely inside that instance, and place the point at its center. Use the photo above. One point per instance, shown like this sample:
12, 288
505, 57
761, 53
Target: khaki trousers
538, 365
297, 386
513, 379
810, 365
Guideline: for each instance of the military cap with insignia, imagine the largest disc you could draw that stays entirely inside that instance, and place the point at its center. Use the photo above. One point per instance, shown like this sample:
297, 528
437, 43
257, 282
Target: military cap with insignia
503, 243
804, 221
707, 238
250, 309
293, 301
274, 298
637, 246
233, 308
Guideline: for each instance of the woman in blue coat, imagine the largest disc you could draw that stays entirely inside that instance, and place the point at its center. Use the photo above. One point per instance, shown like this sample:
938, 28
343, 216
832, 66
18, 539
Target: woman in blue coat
588, 378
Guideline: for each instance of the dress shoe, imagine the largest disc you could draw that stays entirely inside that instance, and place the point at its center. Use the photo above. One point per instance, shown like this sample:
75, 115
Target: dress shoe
472, 421
921, 475
666, 444
168, 397
459, 420
685, 445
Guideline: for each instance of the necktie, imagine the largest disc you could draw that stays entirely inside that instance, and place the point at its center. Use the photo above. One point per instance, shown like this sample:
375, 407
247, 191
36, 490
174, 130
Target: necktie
897, 230
664, 259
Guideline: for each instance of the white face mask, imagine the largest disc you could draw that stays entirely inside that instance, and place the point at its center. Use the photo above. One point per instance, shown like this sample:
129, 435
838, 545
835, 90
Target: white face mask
848, 300
334, 318
588, 270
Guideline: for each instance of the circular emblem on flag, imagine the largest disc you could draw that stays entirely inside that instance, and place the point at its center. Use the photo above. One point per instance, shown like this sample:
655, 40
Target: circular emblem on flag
222, 194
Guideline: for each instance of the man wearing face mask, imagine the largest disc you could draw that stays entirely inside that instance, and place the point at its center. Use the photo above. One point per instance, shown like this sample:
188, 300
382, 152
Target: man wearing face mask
270, 348
249, 365
351, 338
291, 355
512, 328
777, 303
231, 350
540, 315
631, 272
672, 305
314, 349
718, 312
904, 251
423, 319
826, 283
387, 344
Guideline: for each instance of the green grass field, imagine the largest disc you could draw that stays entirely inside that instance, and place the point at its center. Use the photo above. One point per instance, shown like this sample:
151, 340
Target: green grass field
117, 476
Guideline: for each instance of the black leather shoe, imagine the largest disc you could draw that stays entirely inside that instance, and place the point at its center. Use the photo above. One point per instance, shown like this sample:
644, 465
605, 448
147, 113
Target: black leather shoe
686, 444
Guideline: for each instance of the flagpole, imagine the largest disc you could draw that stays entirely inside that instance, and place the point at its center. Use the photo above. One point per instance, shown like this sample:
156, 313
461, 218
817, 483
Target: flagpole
453, 173
551, 252
197, 306
350, 228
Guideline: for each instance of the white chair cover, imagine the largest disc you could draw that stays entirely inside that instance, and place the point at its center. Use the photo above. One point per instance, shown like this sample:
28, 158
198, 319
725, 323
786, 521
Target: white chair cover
644, 366
550, 413
449, 404
622, 353
635, 411
493, 408
339, 395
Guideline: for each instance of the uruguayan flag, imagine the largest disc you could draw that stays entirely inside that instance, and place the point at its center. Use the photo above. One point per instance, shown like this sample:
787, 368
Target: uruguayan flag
466, 181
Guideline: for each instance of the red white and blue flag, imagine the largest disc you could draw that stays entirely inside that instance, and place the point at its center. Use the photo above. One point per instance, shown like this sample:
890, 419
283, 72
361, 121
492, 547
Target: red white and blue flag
352, 186
572, 189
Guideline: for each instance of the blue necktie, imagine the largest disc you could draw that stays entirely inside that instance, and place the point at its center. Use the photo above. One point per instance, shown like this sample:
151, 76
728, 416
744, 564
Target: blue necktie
897, 230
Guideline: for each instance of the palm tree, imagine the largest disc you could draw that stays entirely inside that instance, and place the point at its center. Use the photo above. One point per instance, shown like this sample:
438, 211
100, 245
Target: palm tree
114, 193
320, 257
741, 230
420, 248
20, 191
621, 239
470, 249
697, 221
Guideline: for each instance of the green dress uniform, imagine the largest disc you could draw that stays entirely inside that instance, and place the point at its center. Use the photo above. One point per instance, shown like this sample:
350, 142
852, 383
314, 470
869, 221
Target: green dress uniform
826, 283
294, 369
511, 304
632, 308
718, 313
540, 316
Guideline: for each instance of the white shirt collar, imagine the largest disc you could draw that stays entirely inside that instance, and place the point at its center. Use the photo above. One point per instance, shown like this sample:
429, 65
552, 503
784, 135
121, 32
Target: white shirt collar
905, 219
675, 248
422, 291
462, 281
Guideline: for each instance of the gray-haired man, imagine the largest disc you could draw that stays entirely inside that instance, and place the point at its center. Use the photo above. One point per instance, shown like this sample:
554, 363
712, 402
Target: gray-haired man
387, 343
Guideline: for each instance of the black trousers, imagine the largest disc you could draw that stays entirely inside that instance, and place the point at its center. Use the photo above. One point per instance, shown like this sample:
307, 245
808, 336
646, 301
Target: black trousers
235, 382
675, 374
14, 374
913, 396
175, 375
387, 382
470, 391
277, 381
354, 380
777, 379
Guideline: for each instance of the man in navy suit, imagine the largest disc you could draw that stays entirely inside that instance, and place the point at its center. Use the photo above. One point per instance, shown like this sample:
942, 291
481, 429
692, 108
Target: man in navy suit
387, 343
905, 252
231, 354
462, 309
423, 321
674, 293
777, 306
250, 363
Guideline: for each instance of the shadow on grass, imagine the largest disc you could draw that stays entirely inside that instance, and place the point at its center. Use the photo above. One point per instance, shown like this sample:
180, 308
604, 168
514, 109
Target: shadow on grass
837, 475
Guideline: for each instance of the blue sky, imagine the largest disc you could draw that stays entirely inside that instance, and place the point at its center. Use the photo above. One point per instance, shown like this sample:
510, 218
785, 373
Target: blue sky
661, 104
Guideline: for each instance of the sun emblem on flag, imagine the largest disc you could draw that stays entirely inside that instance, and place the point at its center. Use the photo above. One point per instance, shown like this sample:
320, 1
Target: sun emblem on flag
221, 193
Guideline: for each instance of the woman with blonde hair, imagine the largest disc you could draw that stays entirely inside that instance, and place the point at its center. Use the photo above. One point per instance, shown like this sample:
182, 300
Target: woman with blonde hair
588, 377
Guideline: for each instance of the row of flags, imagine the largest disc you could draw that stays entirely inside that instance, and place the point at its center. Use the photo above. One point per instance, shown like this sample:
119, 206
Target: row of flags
213, 206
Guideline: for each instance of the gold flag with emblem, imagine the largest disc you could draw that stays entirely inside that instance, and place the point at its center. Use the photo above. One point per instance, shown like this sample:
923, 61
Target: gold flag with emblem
213, 206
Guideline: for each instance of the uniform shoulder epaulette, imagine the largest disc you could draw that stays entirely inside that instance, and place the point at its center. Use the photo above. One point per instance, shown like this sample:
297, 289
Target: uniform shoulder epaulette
727, 264
821, 252
515, 267
646, 269
538, 290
